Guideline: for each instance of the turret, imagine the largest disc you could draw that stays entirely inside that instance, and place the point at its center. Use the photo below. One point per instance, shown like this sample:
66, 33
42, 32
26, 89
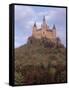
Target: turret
44, 22
54, 31
54, 28
45, 26
34, 28
35, 24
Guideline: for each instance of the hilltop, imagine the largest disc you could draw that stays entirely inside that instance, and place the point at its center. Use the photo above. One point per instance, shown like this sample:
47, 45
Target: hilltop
40, 62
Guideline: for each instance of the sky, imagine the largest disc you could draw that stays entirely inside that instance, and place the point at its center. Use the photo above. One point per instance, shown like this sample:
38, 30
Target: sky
26, 16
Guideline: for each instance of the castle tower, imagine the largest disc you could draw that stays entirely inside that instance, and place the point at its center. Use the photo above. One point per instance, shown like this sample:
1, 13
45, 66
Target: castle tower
44, 22
34, 29
35, 24
45, 26
54, 31
54, 27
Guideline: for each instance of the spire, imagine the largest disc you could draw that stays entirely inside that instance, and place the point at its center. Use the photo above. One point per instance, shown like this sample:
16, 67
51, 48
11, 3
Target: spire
54, 26
44, 22
35, 24
43, 18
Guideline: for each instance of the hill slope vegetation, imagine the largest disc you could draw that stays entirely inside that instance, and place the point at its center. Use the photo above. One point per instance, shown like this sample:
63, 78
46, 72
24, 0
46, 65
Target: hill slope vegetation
40, 62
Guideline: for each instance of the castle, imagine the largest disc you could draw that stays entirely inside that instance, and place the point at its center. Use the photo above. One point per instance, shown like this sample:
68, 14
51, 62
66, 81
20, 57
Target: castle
44, 31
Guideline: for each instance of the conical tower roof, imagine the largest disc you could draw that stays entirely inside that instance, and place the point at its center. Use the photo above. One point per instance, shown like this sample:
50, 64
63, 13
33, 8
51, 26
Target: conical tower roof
54, 26
35, 24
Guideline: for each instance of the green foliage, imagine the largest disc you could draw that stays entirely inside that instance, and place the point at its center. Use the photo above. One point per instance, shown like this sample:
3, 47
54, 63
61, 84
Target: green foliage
18, 78
38, 63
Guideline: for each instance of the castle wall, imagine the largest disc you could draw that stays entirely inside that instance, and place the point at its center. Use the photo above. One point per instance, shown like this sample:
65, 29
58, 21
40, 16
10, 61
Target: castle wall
37, 34
44, 33
50, 34
54, 33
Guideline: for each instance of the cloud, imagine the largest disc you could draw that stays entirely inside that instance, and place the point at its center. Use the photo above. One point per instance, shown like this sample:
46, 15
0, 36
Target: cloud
22, 12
